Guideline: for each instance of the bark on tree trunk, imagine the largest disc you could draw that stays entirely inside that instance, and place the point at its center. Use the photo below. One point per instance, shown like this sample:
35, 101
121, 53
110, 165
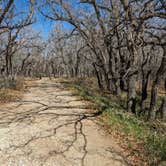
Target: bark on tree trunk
163, 109
98, 78
7, 65
160, 72
10, 66
163, 105
131, 96
144, 91
152, 111
118, 89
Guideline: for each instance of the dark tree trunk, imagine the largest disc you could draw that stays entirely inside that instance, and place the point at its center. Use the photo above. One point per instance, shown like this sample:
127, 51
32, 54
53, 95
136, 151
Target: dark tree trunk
163, 105
98, 77
144, 95
23, 63
122, 83
163, 109
77, 65
7, 65
10, 66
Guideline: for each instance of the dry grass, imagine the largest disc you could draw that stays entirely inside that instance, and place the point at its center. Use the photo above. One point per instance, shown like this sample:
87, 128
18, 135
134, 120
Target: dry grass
11, 90
9, 95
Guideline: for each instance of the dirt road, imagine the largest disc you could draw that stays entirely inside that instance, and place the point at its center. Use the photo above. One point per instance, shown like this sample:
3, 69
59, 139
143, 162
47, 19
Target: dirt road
51, 126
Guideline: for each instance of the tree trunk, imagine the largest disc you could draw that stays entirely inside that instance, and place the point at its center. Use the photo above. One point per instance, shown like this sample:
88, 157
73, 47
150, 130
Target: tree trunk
160, 72
163, 109
10, 66
163, 105
144, 91
118, 89
152, 111
131, 96
7, 65
98, 78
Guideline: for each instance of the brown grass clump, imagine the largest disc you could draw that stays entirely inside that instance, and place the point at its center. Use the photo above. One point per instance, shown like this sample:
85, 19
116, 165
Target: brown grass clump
11, 90
8, 95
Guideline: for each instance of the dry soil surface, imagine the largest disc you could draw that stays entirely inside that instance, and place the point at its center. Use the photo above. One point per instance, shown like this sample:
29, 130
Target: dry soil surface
51, 126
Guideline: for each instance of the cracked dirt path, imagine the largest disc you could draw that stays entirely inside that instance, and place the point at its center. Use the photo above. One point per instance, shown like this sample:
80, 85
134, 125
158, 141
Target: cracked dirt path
50, 126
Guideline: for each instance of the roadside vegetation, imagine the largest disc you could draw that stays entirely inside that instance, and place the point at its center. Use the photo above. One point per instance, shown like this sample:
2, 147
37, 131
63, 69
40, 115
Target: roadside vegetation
143, 142
10, 89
